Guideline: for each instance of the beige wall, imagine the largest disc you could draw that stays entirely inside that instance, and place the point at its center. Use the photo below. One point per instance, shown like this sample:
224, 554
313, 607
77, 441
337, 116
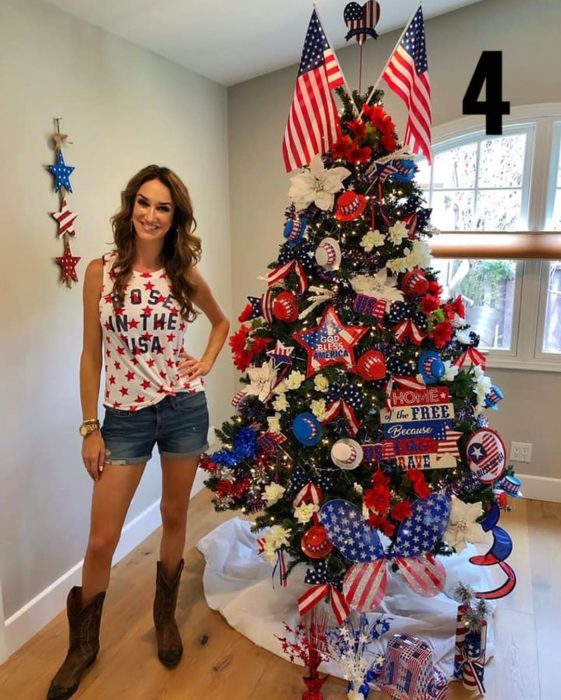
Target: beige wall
123, 108
527, 33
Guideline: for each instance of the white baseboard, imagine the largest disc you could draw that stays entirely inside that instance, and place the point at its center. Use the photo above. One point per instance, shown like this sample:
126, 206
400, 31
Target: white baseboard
540, 488
35, 614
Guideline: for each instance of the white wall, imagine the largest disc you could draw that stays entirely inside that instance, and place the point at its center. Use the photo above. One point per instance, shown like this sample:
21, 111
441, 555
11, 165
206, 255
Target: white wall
527, 33
123, 108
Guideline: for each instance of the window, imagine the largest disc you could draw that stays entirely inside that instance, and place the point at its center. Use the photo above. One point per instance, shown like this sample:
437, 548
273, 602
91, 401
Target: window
502, 192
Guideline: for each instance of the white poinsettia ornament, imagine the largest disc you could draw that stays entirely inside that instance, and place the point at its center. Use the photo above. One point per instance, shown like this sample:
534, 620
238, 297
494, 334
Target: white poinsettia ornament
318, 185
463, 528
380, 286
261, 380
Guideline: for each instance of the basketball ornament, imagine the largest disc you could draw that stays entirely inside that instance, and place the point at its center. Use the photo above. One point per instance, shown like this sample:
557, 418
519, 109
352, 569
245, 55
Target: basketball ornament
330, 343
372, 365
361, 20
486, 453
285, 307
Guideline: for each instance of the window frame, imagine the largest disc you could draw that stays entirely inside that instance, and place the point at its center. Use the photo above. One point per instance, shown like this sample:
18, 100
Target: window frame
532, 248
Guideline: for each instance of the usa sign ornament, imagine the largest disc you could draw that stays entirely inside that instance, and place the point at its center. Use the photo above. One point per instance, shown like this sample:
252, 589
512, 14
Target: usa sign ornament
486, 453
330, 343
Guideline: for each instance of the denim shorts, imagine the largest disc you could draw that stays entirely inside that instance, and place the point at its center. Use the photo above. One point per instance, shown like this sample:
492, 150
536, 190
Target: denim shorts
179, 424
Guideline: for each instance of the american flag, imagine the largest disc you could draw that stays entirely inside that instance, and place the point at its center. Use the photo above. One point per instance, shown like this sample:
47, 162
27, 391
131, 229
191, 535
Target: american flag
407, 75
450, 443
313, 120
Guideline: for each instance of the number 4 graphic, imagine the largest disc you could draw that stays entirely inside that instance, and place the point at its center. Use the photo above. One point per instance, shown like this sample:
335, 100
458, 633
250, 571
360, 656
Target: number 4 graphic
489, 70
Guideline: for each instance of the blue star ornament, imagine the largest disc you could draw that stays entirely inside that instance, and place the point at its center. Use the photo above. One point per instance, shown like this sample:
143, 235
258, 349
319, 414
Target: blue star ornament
61, 173
331, 342
427, 524
353, 536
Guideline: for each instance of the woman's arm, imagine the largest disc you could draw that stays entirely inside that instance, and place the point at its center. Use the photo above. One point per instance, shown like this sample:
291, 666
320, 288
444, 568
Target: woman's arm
206, 302
93, 448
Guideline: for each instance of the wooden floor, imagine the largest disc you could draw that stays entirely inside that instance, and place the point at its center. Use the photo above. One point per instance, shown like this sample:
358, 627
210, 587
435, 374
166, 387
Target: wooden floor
220, 664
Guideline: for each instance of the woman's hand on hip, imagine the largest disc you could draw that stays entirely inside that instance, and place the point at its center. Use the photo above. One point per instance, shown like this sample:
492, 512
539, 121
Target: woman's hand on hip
189, 367
93, 454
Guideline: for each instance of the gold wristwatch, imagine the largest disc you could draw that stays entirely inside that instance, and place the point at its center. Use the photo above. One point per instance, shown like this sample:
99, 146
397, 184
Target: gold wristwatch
89, 426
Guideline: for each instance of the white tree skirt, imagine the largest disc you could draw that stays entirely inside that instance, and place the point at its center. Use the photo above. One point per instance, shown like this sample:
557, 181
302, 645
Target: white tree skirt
237, 583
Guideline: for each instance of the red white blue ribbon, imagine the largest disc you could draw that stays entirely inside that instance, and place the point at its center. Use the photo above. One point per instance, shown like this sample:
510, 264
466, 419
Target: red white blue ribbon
408, 330
316, 594
340, 406
279, 273
473, 356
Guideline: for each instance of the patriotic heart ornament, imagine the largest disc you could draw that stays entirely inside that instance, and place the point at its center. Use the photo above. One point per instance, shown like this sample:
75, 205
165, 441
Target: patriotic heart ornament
361, 20
486, 453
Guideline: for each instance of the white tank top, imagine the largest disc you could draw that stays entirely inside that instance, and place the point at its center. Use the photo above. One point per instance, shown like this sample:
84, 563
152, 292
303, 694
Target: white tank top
142, 341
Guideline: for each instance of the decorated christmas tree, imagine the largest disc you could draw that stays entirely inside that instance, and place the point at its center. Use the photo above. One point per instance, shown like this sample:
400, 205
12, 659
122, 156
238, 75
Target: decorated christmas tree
360, 443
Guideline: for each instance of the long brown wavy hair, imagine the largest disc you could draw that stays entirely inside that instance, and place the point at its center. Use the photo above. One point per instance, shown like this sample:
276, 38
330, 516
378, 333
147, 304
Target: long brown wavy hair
181, 250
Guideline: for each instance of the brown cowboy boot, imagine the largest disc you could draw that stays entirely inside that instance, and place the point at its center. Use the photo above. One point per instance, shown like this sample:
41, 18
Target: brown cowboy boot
170, 648
84, 644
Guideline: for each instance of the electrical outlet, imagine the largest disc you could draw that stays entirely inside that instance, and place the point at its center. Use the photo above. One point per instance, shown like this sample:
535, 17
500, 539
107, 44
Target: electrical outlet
521, 451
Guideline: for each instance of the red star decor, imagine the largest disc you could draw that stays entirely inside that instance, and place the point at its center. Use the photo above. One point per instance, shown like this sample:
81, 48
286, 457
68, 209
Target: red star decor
329, 343
68, 264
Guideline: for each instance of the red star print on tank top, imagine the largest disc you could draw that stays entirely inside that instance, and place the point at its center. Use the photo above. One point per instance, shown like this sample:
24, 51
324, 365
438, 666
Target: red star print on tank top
142, 341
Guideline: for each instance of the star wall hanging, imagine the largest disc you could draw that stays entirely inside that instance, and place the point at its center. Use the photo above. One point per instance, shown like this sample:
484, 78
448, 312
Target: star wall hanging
65, 219
61, 173
68, 264
331, 342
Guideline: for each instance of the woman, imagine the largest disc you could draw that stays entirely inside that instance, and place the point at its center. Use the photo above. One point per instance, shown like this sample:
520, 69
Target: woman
137, 303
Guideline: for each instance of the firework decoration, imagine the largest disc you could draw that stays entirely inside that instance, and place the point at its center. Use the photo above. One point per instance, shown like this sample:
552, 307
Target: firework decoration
310, 647
471, 640
348, 644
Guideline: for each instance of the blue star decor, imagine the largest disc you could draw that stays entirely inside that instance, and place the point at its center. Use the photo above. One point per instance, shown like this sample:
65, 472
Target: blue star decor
330, 343
353, 536
61, 173
426, 526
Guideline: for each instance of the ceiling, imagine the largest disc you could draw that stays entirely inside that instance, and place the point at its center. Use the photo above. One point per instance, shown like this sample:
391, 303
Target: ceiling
230, 42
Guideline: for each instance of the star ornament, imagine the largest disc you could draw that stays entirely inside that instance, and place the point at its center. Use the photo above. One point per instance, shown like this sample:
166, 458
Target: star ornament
281, 355
68, 264
330, 343
65, 219
61, 172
